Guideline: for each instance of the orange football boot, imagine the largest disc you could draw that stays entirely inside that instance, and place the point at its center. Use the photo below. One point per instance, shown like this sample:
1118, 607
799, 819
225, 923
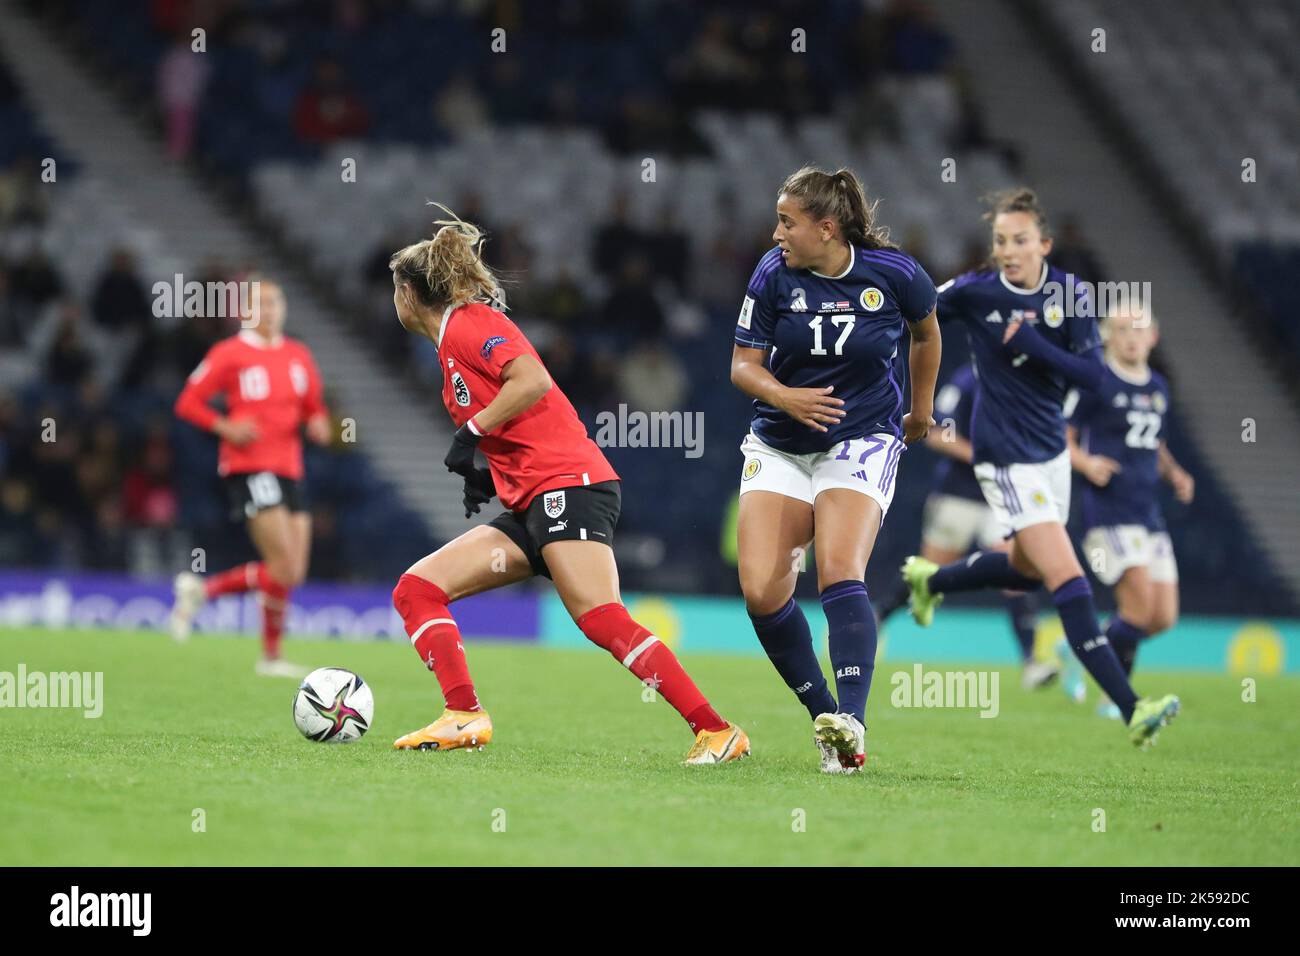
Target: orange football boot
718, 746
453, 730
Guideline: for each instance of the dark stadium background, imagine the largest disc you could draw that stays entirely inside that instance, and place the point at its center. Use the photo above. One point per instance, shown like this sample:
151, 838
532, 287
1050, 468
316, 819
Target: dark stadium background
644, 315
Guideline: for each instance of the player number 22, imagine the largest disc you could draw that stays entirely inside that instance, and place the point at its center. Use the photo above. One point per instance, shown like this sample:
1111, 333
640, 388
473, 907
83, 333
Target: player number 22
1144, 427
816, 326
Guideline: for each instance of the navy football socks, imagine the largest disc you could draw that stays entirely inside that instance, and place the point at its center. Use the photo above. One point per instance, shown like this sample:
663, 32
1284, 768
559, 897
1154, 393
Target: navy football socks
1023, 610
788, 643
852, 644
1073, 601
900, 596
983, 569
1124, 637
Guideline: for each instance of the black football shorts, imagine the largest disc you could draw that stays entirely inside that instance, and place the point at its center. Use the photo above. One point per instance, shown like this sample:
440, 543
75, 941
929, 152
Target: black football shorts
579, 513
248, 494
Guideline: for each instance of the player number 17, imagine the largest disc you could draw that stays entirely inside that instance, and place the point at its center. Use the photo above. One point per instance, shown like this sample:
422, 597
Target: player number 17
816, 326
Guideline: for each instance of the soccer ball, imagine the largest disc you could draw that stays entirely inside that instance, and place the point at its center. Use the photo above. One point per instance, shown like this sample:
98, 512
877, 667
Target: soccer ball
333, 705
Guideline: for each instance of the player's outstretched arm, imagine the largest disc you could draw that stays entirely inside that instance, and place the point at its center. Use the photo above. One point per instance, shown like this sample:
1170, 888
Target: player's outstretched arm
814, 407
923, 359
1086, 371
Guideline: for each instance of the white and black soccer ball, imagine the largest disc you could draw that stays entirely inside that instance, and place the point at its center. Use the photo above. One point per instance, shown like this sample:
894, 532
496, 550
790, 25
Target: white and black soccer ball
333, 705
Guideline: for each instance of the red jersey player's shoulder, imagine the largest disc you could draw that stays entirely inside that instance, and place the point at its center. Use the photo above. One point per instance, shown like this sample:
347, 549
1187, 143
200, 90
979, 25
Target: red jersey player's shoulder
477, 329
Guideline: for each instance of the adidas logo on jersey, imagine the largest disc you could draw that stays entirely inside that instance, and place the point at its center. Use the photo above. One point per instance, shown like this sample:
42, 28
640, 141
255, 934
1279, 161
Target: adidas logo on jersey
862, 475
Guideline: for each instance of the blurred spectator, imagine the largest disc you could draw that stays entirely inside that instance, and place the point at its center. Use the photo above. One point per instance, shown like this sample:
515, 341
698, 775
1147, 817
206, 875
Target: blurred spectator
616, 239
632, 311
120, 301
148, 499
194, 335
70, 358
33, 281
572, 373
669, 248
182, 77
561, 301
13, 328
459, 109
652, 379
150, 506
916, 43
715, 72
1071, 253
22, 199
511, 97
328, 560
327, 109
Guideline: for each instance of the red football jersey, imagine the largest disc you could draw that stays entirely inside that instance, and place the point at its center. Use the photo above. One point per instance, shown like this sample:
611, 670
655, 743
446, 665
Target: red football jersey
275, 385
544, 447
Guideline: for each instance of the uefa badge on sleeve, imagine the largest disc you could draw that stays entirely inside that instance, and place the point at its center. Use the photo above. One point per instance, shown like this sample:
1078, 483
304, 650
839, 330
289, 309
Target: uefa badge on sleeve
553, 503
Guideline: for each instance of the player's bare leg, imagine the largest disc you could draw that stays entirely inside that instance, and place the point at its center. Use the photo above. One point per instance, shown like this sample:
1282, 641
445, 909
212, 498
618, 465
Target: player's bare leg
1164, 607
586, 579
938, 555
275, 536
773, 533
479, 560
300, 532
847, 523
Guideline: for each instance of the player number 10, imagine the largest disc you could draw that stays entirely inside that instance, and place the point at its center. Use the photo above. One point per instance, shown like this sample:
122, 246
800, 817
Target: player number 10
816, 326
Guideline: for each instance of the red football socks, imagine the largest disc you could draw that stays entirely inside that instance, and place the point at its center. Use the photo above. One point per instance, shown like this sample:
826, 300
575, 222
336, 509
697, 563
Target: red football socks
436, 638
235, 581
609, 626
275, 598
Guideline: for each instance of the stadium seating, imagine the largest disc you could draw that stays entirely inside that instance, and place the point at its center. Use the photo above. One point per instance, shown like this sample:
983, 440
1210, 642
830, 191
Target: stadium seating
554, 182
1180, 71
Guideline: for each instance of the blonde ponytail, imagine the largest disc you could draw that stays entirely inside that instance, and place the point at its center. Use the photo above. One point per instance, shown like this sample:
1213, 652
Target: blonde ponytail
449, 269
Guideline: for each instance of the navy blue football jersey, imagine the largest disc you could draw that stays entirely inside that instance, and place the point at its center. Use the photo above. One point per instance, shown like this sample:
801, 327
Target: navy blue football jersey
955, 400
1017, 416
841, 331
1123, 420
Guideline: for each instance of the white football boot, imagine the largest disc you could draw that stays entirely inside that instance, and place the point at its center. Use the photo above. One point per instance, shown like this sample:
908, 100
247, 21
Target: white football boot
189, 597
843, 734
268, 667
830, 758
1038, 674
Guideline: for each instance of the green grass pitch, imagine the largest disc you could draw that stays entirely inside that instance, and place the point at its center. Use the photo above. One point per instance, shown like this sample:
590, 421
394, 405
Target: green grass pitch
584, 772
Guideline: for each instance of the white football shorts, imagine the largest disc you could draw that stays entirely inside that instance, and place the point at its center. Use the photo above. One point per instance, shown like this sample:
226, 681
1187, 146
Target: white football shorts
959, 524
1110, 551
1023, 495
867, 465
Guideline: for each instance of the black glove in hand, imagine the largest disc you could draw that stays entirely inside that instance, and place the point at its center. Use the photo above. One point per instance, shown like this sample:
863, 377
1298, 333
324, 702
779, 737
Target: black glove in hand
460, 459
479, 490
